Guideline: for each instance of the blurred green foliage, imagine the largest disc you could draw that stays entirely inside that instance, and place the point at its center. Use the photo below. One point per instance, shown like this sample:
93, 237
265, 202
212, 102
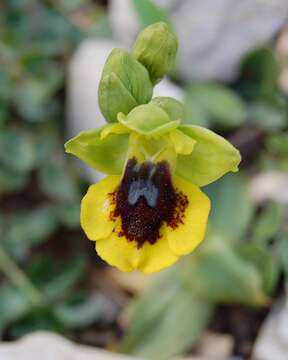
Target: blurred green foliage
40, 190
149, 13
246, 249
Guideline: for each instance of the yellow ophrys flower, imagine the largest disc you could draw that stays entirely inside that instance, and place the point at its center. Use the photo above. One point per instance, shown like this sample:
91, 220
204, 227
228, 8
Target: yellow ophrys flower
149, 210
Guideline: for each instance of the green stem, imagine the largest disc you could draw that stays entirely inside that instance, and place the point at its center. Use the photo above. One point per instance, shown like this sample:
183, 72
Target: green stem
19, 279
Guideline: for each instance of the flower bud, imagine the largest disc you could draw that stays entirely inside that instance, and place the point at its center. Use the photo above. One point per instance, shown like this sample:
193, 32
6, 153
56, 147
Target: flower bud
125, 83
114, 97
156, 48
172, 107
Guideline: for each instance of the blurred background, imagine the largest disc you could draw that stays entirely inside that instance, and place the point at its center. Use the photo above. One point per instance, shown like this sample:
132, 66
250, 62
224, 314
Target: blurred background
228, 300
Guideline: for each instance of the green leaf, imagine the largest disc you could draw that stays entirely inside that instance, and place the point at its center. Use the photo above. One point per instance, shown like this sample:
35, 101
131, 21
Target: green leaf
69, 214
44, 73
270, 163
232, 207
33, 100
265, 262
267, 117
41, 269
56, 279
268, 224
68, 5
223, 106
40, 320
166, 325
217, 273
63, 282
212, 157
11, 181
194, 112
56, 181
17, 150
282, 251
81, 312
4, 113
260, 73
107, 155
6, 83
41, 223
53, 34
102, 28
13, 305
278, 144
26, 229
149, 13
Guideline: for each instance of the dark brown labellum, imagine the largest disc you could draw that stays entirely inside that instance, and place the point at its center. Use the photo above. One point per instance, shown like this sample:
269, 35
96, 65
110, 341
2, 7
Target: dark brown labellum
146, 199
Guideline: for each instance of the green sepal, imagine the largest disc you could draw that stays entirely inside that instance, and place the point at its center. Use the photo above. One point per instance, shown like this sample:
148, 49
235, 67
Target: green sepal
106, 155
148, 120
156, 47
172, 107
153, 149
212, 157
128, 87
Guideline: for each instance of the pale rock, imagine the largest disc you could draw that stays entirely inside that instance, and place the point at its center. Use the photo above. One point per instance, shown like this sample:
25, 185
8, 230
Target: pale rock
84, 75
124, 19
215, 346
272, 341
282, 47
49, 346
269, 186
45, 345
214, 35
282, 52
283, 81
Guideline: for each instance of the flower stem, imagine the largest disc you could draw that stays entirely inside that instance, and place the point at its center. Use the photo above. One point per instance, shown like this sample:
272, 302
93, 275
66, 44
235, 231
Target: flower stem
19, 279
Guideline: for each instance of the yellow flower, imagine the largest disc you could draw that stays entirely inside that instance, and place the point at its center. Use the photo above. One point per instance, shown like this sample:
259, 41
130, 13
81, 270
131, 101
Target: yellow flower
149, 210
152, 210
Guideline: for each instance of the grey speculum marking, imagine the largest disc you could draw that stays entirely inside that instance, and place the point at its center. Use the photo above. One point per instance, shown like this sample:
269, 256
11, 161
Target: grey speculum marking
145, 188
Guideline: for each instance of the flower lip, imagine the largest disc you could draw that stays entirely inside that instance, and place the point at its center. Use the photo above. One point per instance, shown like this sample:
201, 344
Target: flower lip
145, 200
145, 188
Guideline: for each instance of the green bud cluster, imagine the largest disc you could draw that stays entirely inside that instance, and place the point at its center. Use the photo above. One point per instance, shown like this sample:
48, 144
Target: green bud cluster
125, 83
127, 79
156, 48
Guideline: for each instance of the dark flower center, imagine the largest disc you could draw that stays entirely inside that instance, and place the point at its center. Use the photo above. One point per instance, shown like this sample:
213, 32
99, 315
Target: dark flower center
145, 200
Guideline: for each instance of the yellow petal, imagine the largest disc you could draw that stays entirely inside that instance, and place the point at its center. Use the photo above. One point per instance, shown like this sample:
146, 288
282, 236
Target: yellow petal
183, 144
187, 236
123, 254
157, 256
96, 207
113, 129
118, 251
